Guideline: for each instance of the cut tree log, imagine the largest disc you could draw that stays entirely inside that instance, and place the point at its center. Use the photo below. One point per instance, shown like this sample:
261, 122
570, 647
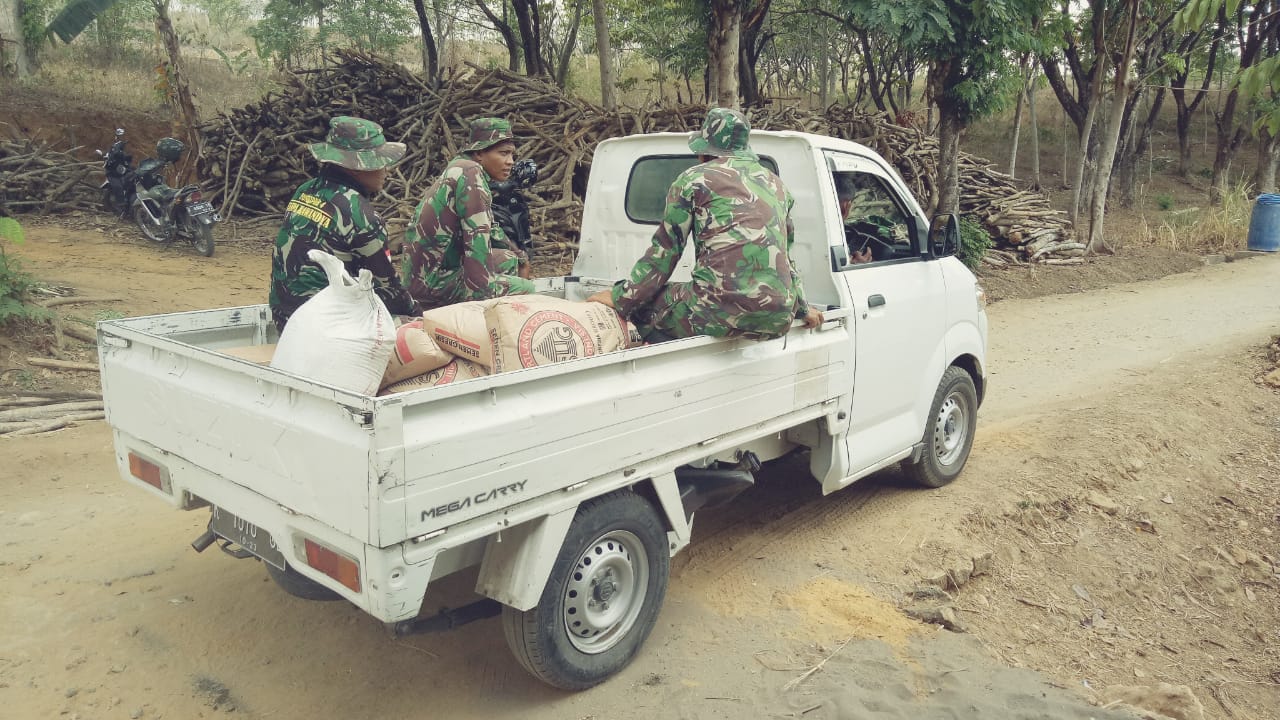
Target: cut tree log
47, 411
56, 424
62, 364
78, 299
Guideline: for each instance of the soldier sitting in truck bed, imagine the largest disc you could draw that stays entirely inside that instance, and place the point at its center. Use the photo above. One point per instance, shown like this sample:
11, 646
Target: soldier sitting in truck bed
738, 214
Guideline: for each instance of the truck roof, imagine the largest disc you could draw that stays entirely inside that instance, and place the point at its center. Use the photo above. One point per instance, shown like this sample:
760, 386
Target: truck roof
762, 141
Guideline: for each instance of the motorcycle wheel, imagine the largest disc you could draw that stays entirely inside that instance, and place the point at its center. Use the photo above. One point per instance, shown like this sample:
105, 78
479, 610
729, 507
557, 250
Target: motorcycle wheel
202, 239
152, 229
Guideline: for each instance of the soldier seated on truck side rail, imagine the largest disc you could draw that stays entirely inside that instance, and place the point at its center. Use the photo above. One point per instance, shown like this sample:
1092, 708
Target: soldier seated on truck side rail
875, 227
738, 214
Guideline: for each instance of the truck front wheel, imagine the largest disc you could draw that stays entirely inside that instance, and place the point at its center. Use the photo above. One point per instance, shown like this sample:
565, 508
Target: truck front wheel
948, 434
602, 598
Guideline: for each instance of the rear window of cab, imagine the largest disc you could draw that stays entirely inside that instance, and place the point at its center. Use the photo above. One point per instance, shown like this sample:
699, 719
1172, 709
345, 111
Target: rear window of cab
650, 179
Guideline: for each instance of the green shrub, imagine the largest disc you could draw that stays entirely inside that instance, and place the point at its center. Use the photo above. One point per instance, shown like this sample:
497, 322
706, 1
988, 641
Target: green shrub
15, 284
975, 241
1164, 201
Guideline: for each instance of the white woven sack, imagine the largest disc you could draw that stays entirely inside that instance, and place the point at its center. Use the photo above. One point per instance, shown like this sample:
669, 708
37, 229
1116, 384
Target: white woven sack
342, 336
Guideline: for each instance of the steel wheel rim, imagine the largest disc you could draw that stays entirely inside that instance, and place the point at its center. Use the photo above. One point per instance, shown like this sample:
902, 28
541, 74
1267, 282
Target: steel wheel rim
605, 592
152, 229
950, 429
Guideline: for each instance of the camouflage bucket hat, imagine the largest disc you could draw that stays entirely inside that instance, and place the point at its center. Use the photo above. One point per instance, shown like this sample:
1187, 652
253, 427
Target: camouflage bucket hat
357, 144
487, 132
724, 132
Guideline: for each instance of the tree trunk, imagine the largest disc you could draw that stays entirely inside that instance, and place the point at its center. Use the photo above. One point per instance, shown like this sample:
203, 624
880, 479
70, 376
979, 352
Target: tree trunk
13, 44
508, 36
1111, 135
1094, 97
607, 96
723, 51
1264, 177
178, 79
1035, 130
430, 60
1017, 120
570, 43
949, 127
530, 23
1127, 177
752, 41
943, 77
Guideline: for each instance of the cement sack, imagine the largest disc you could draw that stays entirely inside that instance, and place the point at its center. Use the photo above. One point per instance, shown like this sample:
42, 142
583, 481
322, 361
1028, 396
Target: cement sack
460, 329
342, 336
456, 371
415, 354
533, 330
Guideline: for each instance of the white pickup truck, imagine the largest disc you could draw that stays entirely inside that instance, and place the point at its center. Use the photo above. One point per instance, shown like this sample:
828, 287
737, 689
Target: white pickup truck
569, 485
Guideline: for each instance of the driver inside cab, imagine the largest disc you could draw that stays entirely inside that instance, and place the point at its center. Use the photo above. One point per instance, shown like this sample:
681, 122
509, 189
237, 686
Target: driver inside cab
869, 235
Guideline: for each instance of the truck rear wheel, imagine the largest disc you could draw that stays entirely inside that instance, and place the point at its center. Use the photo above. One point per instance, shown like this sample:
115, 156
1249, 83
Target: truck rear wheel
602, 598
299, 585
948, 436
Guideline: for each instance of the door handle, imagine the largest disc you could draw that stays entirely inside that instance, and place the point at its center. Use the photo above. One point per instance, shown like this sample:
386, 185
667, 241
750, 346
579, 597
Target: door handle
875, 301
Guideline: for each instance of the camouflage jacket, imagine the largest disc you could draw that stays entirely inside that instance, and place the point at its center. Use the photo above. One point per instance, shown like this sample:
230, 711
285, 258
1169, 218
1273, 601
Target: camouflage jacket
451, 240
329, 213
739, 215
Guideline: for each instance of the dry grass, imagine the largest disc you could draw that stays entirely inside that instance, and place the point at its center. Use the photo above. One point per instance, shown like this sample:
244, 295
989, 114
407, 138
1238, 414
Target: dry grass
127, 81
1209, 229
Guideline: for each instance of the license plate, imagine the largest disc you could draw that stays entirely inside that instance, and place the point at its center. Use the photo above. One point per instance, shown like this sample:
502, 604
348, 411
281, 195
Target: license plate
200, 208
247, 535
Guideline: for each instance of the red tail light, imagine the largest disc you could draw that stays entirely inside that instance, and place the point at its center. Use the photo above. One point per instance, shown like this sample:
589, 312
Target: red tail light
195, 196
148, 472
339, 567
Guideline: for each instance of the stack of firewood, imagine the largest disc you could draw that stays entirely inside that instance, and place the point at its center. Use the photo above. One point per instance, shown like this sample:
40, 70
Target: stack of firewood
36, 178
33, 412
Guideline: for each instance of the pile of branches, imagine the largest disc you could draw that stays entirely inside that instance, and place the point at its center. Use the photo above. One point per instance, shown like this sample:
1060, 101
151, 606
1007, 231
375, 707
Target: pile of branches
255, 157
35, 178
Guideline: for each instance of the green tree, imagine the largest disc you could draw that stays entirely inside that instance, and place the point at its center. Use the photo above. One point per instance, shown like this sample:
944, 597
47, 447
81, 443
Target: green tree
972, 48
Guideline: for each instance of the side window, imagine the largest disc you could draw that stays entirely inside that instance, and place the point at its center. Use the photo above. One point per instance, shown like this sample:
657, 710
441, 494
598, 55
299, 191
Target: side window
650, 179
876, 228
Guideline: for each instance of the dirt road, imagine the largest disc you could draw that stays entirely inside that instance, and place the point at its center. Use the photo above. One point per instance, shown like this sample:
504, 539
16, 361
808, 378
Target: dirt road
1116, 424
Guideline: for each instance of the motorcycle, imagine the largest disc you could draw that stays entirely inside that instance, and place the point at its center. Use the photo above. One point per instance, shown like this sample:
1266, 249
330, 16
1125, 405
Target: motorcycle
117, 188
511, 207
161, 212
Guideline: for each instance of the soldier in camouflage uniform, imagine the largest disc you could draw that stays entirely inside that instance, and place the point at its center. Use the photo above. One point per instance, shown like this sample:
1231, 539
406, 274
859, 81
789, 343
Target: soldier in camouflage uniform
456, 252
334, 213
739, 215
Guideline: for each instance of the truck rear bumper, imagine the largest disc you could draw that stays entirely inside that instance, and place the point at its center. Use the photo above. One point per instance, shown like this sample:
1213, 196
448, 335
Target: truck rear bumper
383, 585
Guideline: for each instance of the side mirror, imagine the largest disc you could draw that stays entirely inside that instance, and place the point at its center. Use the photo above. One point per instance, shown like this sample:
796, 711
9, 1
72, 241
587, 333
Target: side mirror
119, 132
944, 235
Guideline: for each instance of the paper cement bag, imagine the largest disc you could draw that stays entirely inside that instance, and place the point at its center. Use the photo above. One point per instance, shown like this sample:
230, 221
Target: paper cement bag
460, 329
415, 353
456, 371
342, 335
533, 330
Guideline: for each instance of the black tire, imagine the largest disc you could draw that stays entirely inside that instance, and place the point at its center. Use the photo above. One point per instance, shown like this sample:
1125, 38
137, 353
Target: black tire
202, 240
151, 229
948, 435
298, 585
615, 551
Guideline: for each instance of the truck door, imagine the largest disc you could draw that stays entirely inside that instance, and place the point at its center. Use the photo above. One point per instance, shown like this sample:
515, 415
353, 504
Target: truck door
897, 314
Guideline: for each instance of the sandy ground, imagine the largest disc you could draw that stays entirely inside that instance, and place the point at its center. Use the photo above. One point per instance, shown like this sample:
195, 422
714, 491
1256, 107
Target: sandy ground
1120, 501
